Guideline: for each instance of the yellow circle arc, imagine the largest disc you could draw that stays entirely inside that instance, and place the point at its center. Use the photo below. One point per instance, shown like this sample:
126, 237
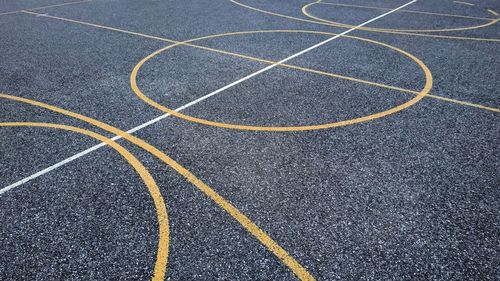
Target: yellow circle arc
389, 32
154, 191
425, 91
241, 218
344, 25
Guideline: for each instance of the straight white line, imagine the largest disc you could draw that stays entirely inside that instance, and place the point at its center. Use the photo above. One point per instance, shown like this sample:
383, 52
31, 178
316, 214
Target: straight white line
296, 55
53, 167
87, 151
82, 153
464, 3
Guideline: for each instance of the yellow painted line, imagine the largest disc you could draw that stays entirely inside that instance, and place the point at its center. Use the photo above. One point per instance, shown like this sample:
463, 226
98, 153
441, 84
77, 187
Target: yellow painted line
261, 236
343, 26
307, 14
493, 12
154, 191
101, 26
466, 103
187, 43
45, 7
425, 91
244, 221
464, 3
405, 11
319, 72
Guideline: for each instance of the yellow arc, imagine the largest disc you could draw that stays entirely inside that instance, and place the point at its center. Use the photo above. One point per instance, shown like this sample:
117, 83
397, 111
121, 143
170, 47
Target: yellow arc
390, 32
344, 25
241, 218
161, 210
424, 92
465, 103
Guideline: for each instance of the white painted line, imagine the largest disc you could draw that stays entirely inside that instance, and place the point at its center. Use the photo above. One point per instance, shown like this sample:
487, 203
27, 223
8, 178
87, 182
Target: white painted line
87, 151
45, 7
295, 55
80, 154
53, 167
464, 3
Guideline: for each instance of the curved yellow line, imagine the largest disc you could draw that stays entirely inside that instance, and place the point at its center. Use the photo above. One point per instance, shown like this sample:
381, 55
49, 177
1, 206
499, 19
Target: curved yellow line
425, 91
404, 11
273, 62
154, 191
242, 219
307, 14
341, 26
319, 72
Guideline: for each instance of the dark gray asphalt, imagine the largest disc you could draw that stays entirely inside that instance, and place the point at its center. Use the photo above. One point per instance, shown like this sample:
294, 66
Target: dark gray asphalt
410, 196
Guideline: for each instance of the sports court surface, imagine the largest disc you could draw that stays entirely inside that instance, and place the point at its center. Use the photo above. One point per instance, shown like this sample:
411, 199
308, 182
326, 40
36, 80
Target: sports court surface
249, 139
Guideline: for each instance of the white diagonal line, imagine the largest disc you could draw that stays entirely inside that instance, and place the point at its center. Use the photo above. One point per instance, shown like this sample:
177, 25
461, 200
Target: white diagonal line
87, 151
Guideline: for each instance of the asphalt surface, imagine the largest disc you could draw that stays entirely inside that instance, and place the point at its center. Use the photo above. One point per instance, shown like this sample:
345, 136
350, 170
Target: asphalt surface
413, 195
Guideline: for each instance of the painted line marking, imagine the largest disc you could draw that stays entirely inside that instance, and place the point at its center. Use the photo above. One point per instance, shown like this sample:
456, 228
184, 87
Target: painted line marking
80, 154
283, 60
186, 43
345, 25
389, 32
9, 13
237, 215
404, 11
295, 55
303, 277
45, 7
425, 90
144, 125
493, 12
159, 203
53, 167
464, 3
